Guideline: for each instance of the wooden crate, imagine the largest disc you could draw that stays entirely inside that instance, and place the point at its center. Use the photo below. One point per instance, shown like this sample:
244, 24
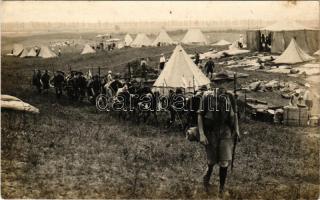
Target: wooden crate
314, 121
295, 116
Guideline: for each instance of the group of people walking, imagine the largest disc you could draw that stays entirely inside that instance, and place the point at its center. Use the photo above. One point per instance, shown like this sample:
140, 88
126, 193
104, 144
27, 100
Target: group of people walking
75, 84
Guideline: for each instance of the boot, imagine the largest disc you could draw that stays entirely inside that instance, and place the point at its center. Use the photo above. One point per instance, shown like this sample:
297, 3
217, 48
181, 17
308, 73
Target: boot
206, 177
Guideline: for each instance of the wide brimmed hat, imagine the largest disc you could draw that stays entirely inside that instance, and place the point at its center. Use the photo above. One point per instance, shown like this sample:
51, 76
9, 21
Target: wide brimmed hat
60, 72
203, 88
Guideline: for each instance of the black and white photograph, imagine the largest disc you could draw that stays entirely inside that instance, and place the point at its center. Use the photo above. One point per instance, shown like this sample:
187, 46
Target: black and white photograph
160, 99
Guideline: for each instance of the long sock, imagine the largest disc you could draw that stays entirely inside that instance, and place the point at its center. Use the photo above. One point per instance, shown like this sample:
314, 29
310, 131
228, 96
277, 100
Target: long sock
209, 170
207, 176
222, 175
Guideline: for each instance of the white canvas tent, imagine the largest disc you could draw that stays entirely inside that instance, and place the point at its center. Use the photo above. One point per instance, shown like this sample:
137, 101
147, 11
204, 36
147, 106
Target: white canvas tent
24, 53
162, 39
32, 53
222, 43
180, 71
45, 52
17, 49
317, 53
194, 36
87, 49
141, 40
293, 54
127, 40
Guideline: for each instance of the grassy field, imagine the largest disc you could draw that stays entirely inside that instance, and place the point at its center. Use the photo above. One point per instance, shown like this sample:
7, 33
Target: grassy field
70, 150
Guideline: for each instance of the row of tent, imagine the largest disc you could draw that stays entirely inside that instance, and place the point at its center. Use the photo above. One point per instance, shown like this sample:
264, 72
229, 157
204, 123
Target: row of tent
193, 36
180, 70
42, 52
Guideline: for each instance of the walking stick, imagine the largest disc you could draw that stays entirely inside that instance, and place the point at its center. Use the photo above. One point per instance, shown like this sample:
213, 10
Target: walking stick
236, 122
100, 85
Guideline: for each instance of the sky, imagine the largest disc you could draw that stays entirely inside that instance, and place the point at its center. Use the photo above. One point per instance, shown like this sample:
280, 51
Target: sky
122, 11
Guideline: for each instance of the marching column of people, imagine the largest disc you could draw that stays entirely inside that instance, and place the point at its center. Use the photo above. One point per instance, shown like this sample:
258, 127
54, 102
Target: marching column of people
75, 85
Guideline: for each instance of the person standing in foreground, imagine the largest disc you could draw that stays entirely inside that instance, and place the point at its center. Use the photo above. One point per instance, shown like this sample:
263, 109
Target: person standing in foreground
216, 123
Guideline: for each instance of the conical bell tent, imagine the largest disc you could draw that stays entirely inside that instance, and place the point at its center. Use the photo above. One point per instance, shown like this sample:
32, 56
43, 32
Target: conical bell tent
194, 36
141, 40
45, 52
32, 53
24, 53
87, 49
293, 54
127, 40
162, 39
317, 53
180, 71
17, 49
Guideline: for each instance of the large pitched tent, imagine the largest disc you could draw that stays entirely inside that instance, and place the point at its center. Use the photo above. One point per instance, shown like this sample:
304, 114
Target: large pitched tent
32, 53
127, 40
293, 54
24, 53
281, 34
141, 40
180, 71
87, 49
162, 39
194, 36
45, 52
27, 54
17, 49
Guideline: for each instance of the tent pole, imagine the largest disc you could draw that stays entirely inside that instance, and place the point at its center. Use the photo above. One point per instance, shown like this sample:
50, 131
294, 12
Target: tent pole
194, 89
162, 88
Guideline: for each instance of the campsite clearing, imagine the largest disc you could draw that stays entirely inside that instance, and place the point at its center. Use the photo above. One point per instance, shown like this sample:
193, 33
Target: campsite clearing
72, 151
